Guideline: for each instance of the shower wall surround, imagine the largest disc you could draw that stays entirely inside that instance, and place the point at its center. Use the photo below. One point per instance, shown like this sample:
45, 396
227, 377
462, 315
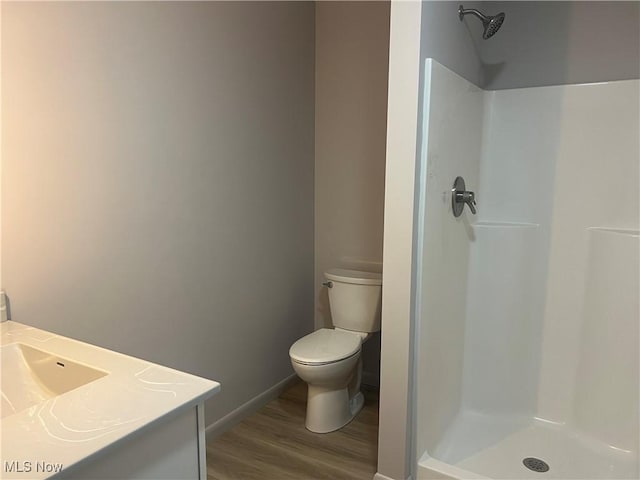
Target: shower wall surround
532, 305
444, 254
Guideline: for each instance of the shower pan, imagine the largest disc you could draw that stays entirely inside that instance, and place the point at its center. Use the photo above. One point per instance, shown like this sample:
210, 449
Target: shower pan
527, 312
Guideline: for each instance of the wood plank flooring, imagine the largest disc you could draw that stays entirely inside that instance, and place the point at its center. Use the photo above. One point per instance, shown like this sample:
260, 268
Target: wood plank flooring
273, 444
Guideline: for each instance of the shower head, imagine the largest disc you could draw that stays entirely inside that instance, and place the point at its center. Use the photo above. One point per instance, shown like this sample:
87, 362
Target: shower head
491, 23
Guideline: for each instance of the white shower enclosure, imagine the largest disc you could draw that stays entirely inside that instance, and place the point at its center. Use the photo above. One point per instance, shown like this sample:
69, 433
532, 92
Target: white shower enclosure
527, 313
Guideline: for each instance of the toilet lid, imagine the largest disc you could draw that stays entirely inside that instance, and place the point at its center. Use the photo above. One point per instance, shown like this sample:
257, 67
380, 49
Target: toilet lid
325, 346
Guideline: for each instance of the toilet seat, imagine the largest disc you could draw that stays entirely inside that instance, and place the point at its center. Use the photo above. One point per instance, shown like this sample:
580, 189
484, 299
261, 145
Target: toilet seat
325, 346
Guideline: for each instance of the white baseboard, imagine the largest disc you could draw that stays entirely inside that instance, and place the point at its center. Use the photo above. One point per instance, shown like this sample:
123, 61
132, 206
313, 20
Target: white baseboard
220, 426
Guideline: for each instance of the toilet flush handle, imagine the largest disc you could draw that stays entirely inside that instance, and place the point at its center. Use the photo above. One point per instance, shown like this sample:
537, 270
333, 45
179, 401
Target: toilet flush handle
328, 284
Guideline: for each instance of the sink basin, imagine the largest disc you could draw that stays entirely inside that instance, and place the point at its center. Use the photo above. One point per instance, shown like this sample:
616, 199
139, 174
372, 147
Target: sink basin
31, 376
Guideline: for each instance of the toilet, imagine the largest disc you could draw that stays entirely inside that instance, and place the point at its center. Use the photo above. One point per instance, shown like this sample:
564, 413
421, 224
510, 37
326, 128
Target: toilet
329, 358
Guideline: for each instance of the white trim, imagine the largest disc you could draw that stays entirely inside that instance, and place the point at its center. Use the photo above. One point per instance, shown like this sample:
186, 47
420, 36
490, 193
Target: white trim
379, 476
234, 417
395, 434
202, 447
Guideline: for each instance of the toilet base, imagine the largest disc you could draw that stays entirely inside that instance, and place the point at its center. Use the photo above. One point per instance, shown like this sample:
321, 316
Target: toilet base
330, 410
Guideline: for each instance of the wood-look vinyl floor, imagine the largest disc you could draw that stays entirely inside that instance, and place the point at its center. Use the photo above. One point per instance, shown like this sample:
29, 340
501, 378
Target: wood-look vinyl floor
273, 444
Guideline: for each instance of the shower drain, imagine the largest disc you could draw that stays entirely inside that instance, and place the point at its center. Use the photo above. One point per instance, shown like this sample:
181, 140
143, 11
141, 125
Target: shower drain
536, 464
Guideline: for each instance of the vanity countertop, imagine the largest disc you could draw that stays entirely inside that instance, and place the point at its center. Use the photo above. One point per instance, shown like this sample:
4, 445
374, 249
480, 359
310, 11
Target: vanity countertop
89, 420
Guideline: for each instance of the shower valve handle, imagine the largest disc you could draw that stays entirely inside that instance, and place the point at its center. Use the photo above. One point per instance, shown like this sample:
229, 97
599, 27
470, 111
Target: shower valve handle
469, 198
460, 196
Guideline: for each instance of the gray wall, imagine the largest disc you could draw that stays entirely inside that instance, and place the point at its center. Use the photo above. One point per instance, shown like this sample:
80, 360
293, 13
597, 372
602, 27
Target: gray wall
451, 42
540, 43
158, 181
558, 43
352, 66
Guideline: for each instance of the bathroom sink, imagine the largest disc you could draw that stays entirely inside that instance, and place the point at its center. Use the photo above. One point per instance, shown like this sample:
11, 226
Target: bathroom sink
31, 376
82, 409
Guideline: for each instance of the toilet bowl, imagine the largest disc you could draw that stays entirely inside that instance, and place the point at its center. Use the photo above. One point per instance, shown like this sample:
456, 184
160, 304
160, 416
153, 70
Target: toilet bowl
328, 360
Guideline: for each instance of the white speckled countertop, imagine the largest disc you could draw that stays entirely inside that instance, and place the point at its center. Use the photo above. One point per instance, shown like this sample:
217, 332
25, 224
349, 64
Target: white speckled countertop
90, 419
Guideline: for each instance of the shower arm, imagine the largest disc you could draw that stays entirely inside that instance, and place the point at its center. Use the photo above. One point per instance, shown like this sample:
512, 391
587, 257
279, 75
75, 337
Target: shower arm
462, 12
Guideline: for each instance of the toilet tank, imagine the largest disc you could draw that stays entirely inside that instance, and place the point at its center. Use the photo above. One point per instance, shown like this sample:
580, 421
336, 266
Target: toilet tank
355, 298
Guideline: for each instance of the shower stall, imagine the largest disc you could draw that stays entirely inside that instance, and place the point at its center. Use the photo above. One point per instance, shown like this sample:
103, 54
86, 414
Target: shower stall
526, 313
